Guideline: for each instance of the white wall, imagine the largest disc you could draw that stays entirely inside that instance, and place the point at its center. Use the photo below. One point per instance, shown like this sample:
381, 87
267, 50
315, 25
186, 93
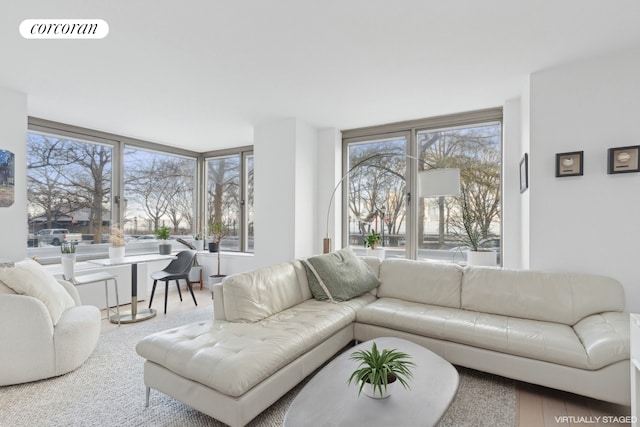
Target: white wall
588, 223
329, 173
285, 191
511, 155
13, 137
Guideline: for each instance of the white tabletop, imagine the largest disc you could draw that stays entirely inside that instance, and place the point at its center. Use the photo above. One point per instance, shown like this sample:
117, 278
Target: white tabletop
135, 259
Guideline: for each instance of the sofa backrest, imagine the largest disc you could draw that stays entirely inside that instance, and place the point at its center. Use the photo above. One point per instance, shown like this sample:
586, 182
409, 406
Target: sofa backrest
258, 294
552, 297
420, 281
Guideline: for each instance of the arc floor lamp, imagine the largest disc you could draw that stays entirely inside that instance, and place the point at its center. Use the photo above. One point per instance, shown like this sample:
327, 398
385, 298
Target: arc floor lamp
431, 183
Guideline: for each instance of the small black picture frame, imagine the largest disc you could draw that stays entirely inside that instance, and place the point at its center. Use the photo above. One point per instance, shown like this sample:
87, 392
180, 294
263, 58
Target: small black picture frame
570, 164
623, 159
524, 173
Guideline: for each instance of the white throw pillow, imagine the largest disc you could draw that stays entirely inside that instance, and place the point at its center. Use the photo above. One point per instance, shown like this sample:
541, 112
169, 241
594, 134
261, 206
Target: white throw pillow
30, 278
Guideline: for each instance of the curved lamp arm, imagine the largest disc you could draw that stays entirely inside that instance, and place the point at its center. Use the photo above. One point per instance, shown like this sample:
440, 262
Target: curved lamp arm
326, 243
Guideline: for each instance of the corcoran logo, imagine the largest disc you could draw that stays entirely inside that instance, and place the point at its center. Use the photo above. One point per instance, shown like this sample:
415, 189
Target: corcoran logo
64, 29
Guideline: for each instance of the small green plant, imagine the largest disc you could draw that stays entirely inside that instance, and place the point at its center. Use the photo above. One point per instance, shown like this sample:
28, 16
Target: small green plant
68, 248
217, 231
198, 236
372, 240
381, 368
162, 233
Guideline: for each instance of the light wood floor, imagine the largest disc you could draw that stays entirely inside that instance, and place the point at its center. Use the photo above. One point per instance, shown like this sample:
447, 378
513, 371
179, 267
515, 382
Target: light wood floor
537, 406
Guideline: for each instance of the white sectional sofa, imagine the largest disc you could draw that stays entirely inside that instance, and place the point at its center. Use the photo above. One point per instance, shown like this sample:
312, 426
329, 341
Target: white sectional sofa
564, 331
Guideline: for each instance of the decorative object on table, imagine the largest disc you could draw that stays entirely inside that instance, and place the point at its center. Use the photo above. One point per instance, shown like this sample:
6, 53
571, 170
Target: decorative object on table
116, 238
198, 242
218, 232
524, 173
162, 233
372, 245
570, 164
68, 259
623, 159
7, 178
378, 371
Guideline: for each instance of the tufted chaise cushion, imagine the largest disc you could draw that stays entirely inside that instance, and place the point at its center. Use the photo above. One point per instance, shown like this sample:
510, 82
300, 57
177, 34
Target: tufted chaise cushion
224, 355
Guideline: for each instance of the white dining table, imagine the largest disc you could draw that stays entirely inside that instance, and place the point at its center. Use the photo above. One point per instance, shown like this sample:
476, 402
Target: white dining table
134, 315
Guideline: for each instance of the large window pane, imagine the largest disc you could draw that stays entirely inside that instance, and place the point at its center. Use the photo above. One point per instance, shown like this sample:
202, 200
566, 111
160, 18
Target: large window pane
69, 188
376, 194
224, 198
249, 203
443, 230
158, 191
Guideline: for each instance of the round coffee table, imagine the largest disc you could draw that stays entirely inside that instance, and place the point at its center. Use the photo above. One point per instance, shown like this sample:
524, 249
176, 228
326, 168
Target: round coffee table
328, 400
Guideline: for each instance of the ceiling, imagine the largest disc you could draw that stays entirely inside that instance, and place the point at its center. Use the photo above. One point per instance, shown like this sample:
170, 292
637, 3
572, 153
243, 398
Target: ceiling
199, 74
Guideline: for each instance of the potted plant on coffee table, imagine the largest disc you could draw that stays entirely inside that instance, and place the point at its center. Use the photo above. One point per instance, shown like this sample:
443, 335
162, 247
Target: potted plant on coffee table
379, 371
372, 245
162, 233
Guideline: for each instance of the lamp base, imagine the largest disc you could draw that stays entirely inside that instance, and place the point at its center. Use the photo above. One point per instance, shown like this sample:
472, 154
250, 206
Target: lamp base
326, 245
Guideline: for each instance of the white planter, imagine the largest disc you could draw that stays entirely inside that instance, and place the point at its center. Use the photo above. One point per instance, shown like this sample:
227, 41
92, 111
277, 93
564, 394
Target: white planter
68, 266
199, 244
369, 391
377, 252
482, 258
116, 253
194, 273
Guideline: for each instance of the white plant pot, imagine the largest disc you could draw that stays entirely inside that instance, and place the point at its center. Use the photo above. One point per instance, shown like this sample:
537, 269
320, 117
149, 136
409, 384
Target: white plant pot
116, 253
68, 266
369, 391
199, 245
194, 273
377, 252
482, 258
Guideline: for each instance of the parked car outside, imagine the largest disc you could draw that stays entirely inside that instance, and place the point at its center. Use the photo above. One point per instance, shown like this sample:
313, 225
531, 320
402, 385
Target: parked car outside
55, 236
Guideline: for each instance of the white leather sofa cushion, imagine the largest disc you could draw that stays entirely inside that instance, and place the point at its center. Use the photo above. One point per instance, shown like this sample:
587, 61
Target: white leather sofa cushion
223, 355
553, 297
253, 296
551, 342
605, 337
425, 282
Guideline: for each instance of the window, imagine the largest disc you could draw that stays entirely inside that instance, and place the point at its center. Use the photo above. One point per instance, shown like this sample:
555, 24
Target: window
383, 163
81, 181
69, 186
158, 192
229, 199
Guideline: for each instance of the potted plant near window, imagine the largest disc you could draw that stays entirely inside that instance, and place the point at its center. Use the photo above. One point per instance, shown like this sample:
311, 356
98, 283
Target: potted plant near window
470, 234
372, 245
218, 232
116, 238
378, 371
68, 259
162, 233
198, 242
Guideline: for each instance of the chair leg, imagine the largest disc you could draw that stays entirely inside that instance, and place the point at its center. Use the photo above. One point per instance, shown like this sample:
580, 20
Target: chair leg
115, 284
178, 286
153, 291
106, 297
166, 293
191, 290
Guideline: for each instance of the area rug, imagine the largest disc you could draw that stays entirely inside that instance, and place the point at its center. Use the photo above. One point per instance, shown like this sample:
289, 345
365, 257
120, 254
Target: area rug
108, 390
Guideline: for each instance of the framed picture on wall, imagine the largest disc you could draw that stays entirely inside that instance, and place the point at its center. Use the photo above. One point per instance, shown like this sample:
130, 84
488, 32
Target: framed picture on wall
524, 173
623, 159
570, 164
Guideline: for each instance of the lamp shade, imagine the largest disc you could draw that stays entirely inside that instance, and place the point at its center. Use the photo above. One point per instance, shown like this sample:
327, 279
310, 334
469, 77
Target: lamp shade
439, 182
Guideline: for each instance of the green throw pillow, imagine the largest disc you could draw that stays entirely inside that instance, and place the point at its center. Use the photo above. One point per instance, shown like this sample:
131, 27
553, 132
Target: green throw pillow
339, 276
